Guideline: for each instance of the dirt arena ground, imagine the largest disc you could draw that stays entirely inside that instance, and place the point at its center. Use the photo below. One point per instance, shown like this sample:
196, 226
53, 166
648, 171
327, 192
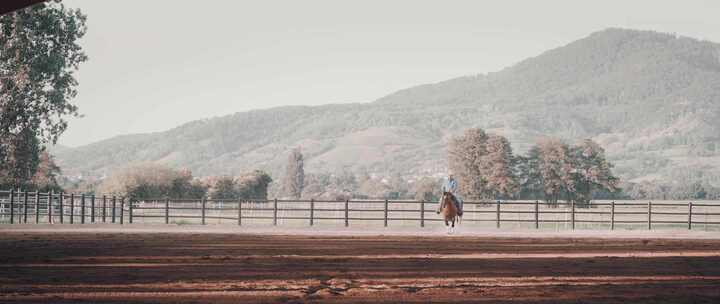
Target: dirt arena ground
194, 267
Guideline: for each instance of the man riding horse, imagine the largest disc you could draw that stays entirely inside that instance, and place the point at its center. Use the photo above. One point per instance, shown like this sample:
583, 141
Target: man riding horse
451, 186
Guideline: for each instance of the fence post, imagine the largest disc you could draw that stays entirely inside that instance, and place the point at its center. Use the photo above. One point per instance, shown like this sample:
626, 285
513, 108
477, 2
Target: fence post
92, 208
537, 215
114, 206
37, 207
72, 208
497, 215
386, 212
275, 212
689, 215
167, 210
122, 211
50, 199
312, 211
62, 208
649, 215
422, 213
239, 212
25, 206
203, 210
612, 215
572, 217
347, 210
12, 206
104, 208
130, 211
82, 208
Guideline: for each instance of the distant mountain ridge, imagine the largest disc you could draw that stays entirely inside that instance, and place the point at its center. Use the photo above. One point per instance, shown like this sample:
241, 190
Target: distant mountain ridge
651, 99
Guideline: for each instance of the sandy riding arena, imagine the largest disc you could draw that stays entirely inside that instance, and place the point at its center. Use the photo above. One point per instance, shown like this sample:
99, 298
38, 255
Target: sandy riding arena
93, 266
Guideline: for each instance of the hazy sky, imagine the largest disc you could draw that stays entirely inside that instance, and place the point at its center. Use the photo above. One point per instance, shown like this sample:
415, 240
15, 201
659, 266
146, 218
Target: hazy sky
157, 64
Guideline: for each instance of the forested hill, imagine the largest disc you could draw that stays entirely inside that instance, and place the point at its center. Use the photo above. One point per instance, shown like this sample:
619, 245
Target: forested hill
651, 99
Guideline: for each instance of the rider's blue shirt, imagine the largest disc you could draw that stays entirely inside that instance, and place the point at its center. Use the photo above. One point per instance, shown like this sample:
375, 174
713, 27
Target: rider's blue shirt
450, 185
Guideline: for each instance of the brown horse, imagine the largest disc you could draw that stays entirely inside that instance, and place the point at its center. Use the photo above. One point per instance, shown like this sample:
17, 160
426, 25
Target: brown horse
449, 211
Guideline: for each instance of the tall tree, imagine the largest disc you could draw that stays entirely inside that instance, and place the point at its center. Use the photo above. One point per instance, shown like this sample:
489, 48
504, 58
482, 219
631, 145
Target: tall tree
465, 154
592, 171
556, 168
294, 175
498, 167
527, 170
39, 52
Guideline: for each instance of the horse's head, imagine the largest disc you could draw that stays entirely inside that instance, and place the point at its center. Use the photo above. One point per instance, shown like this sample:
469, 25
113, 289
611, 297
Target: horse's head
447, 208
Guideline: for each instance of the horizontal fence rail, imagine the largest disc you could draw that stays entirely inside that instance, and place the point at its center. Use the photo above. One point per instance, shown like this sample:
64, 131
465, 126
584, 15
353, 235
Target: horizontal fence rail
18, 207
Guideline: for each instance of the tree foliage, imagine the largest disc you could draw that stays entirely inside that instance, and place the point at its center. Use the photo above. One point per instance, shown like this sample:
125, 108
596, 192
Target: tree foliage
558, 170
486, 168
253, 185
484, 164
39, 53
498, 168
47, 174
592, 171
426, 189
294, 175
149, 180
555, 167
465, 160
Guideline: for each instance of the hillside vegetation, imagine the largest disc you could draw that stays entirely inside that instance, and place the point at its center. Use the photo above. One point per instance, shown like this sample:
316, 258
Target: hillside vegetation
652, 100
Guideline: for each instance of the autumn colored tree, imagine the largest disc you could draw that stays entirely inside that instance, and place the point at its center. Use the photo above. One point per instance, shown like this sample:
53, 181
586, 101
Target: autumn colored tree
465, 160
39, 53
151, 181
498, 168
555, 167
46, 175
253, 185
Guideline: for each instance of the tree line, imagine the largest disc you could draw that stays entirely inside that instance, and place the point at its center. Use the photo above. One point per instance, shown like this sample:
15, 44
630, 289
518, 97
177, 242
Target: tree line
551, 170
486, 168
154, 181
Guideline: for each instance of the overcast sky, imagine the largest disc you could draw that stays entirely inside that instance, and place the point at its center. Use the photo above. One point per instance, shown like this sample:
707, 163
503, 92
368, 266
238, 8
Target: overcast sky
157, 64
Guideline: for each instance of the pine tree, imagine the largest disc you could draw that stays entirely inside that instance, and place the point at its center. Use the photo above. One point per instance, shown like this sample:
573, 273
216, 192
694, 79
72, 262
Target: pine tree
529, 177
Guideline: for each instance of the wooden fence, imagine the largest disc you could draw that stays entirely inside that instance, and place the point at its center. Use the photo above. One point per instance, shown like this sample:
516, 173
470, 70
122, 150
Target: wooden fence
32, 207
